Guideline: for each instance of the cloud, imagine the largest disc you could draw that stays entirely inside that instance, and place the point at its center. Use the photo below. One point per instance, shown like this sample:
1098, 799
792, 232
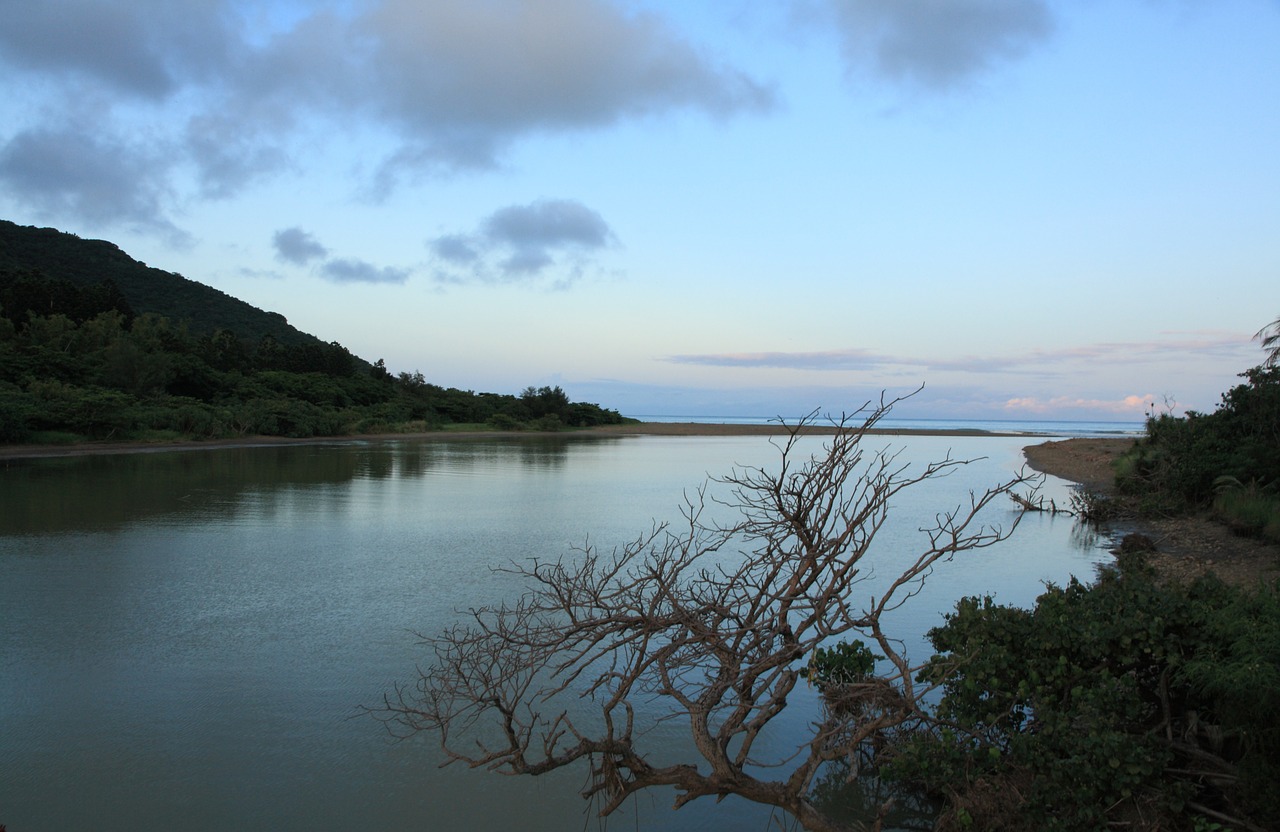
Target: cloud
293, 245
228, 156
546, 223
146, 48
1170, 349
77, 172
229, 90
522, 242
1132, 405
933, 44
351, 270
462, 80
851, 359
455, 249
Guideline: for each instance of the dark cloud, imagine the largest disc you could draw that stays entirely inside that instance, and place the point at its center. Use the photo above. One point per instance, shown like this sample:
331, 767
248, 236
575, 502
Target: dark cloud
523, 242
358, 271
462, 80
143, 47
938, 45
455, 249
547, 223
76, 172
227, 157
293, 245
450, 86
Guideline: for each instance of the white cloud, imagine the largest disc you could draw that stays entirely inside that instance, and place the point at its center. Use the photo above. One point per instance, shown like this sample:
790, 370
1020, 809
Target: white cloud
1134, 406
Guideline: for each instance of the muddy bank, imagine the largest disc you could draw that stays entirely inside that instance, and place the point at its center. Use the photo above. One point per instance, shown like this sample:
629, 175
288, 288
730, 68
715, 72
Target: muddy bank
1187, 546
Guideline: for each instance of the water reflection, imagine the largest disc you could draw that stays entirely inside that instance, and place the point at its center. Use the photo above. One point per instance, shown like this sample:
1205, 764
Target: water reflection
865, 798
104, 493
184, 636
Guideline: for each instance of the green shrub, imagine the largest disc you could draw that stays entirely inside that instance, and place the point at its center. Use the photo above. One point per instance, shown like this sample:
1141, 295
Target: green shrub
548, 422
847, 662
501, 421
1093, 506
1250, 509
1179, 460
15, 413
1102, 704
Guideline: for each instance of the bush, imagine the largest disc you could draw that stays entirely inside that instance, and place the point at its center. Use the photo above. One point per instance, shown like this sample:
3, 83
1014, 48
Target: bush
501, 421
1105, 705
1180, 459
1248, 509
15, 411
550, 422
1093, 506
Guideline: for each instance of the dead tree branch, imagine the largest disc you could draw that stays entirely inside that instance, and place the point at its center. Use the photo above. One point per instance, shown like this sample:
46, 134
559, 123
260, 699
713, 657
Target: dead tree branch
706, 621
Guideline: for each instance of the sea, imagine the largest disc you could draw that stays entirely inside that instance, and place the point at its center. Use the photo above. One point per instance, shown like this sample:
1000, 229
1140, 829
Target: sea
1017, 427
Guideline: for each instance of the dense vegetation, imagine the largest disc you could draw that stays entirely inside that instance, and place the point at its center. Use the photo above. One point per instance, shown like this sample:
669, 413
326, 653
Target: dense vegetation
90, 359
1228, 459
1131, 703
39, 253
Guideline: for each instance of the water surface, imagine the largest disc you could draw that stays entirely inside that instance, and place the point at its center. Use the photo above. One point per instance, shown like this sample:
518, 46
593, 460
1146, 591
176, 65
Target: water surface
185, 637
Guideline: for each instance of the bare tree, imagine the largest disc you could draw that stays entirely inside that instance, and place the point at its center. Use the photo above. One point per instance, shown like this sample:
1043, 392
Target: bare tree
706, 621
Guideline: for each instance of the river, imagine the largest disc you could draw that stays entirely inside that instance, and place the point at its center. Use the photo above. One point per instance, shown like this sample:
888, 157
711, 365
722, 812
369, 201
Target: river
186, 637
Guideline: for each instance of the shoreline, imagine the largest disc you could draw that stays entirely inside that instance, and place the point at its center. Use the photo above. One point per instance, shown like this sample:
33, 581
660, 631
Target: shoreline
1187, 546
8, 452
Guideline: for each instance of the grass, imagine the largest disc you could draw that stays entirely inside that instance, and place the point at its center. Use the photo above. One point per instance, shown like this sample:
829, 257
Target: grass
1250, 510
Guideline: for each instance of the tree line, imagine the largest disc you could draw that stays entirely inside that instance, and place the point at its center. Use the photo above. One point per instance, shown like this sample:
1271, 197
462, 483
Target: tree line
76, 362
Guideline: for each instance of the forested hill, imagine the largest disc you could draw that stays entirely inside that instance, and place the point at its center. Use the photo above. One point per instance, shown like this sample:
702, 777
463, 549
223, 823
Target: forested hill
46, 252
95, 345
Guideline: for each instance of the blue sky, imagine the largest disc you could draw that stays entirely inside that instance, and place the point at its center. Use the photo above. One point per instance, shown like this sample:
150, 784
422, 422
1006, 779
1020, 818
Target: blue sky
1038, 209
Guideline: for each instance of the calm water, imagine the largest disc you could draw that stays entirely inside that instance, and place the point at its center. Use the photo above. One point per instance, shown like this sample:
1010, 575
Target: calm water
1029, 427
185, 637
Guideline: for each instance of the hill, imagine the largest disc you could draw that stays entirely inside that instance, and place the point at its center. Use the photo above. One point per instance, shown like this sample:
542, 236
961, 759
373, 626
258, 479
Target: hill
49, 253
95, 345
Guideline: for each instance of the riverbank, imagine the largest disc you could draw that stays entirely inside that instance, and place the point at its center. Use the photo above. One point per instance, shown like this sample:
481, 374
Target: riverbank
1187, 546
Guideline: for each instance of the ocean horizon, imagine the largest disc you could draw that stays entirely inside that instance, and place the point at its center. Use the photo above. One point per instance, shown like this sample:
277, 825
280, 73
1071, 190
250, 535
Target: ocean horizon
1030, 427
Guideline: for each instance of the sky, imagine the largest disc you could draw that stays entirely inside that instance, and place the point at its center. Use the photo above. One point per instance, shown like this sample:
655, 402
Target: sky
1036, 209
